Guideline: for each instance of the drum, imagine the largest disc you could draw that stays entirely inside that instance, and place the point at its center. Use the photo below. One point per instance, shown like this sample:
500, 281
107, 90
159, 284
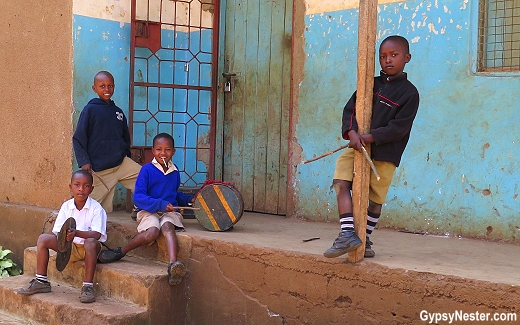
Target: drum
220, 206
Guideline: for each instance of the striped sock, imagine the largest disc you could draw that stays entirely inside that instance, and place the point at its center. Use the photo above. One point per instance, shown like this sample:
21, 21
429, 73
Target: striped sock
41, 278
347, 221
372, 219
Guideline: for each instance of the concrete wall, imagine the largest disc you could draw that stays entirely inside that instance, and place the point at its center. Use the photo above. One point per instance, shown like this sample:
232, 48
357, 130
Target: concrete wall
36, 158
458, 175
232, 283
36, 110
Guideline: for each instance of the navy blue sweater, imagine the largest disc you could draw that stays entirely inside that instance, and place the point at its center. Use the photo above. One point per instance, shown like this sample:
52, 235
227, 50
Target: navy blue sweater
394, 107
101, 138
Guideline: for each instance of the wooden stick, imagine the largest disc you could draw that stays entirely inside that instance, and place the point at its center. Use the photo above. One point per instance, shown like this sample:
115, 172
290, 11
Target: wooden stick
365, 84
324, 155
371, 163
186, 208
100, 179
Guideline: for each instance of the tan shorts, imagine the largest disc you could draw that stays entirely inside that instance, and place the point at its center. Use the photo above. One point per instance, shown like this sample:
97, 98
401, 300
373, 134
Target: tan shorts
78, 252
378, 189
147, 220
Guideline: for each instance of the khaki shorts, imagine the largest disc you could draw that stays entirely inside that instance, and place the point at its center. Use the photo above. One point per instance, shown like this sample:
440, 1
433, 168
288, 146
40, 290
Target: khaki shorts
78, 252
147, 220
378, 189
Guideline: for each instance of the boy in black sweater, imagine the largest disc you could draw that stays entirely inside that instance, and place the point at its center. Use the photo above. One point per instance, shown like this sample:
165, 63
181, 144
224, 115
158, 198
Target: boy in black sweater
395, 105
102, 143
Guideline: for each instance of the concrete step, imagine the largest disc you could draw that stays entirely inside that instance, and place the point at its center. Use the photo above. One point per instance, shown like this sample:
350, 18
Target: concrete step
131, 279
8, 319
62, 306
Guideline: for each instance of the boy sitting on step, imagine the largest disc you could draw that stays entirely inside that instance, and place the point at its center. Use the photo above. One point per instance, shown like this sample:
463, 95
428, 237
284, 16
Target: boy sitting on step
90, 230
157, 196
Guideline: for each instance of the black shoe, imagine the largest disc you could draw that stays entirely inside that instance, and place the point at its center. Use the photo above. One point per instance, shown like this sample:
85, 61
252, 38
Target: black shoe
347, 241
134, 213
368, 249
110, 255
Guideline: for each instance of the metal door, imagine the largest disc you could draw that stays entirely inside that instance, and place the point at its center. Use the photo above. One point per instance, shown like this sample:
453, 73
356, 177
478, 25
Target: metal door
257, 51
173, 81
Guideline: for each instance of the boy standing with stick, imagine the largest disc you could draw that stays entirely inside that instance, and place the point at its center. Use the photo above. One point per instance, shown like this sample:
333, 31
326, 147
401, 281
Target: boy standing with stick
395, 105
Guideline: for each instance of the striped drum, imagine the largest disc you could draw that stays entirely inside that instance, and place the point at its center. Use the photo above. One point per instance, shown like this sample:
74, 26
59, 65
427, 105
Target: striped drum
220, 206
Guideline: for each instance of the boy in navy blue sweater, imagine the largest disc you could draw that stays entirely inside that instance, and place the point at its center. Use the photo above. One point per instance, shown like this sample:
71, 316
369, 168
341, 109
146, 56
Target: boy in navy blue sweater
157, 196
395, 105
102, 143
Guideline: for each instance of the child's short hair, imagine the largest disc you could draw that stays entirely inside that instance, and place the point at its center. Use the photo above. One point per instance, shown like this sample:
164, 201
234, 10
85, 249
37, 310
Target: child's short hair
398, 39
106, 73
164, 136
85, 173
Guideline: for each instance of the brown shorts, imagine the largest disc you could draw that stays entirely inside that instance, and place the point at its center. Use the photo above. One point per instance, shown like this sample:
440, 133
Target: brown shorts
78, 252
147, 220
378, 189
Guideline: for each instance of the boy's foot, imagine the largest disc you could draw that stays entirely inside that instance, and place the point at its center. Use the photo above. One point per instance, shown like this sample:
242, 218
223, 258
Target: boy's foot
347, 241
87, 294
368, 249
35, 286
110, 255
176, 271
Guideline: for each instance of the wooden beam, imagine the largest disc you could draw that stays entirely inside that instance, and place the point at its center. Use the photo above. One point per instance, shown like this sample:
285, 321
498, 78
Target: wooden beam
365, 83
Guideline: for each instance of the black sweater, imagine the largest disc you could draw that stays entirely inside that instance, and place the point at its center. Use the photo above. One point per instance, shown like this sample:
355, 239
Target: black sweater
102, 137
394, 107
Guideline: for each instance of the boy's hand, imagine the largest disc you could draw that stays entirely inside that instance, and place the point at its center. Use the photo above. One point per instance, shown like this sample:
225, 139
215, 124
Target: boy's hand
356, 141
169, 208
87, 167
71, 233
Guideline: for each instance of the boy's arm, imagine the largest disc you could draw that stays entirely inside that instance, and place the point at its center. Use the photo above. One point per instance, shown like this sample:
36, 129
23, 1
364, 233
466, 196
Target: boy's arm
60, 220
401, 125
126, 136
349, 121
71, 233
80, 139
184, 199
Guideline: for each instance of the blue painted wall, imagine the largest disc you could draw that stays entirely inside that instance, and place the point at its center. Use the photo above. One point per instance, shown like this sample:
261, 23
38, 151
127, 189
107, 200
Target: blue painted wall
459, 172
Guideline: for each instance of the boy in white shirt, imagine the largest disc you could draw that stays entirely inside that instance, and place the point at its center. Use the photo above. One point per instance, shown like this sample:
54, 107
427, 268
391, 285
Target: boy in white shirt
90, 230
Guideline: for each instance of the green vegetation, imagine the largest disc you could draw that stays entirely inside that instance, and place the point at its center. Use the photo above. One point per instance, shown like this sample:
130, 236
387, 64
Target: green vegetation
7, 267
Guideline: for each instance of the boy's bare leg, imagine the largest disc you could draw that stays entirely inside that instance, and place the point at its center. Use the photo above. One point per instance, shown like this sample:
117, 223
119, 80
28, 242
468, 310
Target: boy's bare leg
45, 242
176, 269
92, 248
40, 284
168, 231
343, 195
142, 239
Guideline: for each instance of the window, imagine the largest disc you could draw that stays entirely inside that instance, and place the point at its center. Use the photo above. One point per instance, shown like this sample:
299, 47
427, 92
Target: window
499, 35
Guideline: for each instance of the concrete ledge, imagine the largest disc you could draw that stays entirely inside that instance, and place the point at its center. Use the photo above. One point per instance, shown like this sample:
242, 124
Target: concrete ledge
21, 226
262, 273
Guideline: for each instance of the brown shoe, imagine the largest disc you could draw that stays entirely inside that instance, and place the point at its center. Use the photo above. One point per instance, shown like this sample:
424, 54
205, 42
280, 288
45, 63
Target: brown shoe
176, 271
35, 286
87, 294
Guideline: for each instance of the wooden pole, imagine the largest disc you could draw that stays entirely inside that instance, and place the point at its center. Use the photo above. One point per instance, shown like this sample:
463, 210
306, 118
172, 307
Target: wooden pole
365, 83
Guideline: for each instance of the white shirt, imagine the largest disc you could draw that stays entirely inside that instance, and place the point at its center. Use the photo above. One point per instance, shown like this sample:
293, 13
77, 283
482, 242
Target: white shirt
171, 166
91, 218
